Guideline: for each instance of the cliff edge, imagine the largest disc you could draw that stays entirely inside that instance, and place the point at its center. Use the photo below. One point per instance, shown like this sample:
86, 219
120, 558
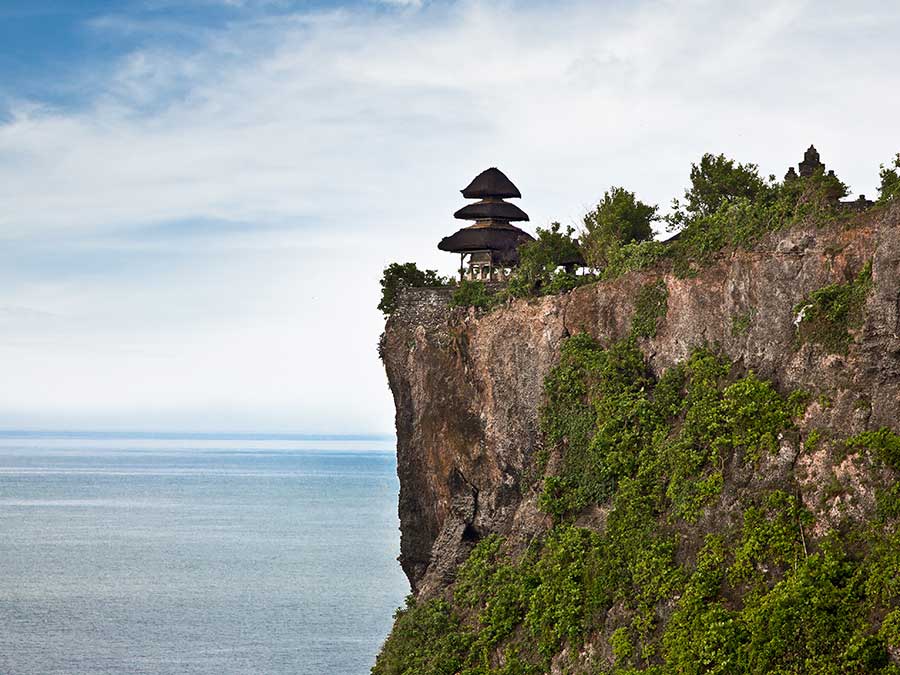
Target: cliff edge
474, 458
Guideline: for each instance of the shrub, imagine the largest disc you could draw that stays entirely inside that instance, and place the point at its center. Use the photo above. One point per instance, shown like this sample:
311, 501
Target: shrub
717, 181
816, 196
829, 313
890, 181
567, 418
557, 603
634, 256
809, 622
471, 294
738, 222
618, 219
427, 639
884, 443
650, 306
540, 261
398, 276
770, 539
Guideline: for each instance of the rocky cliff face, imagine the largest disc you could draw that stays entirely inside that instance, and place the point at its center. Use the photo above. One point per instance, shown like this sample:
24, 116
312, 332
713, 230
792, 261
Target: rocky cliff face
468, 386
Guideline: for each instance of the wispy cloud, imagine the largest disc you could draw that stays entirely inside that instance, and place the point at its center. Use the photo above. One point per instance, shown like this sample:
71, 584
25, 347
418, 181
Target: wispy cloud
402, 3
227, 154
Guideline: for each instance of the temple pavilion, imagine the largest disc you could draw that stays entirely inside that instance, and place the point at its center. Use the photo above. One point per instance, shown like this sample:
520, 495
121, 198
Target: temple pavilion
488, 248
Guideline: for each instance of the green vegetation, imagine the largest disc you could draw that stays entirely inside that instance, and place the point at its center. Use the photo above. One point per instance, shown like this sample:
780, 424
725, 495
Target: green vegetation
727, 205
432, 643
740, 323
650, 305
543, 264
890, 181
679, 579
683, 425
618, 220
717, 181
882, 443
472, 294
731, 205
637, 255
828, 315
701, 556
398, 276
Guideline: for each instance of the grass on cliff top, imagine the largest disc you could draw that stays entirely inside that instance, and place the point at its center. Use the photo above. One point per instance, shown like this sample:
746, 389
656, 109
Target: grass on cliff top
674, 581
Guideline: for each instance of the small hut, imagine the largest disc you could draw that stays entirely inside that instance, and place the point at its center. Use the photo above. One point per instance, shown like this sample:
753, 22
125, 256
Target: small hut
488, 249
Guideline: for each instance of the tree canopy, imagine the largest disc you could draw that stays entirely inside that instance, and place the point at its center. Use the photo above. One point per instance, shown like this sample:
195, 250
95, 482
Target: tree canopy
717, 180
620, 218
540, 262
890, 180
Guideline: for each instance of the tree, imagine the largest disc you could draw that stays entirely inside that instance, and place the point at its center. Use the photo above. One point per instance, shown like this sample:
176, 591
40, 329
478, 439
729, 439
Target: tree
618, 219
718, 180
399, 276
890, 181
540, 260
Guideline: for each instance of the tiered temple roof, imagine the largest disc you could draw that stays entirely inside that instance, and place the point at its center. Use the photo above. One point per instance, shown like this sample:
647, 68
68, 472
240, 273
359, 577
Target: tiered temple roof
492, 230
491, 183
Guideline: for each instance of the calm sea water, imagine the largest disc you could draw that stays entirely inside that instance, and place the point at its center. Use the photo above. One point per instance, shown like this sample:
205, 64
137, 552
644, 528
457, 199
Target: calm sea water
141, 554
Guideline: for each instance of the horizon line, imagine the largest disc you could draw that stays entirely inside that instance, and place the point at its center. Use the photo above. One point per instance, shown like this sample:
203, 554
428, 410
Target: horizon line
193, 435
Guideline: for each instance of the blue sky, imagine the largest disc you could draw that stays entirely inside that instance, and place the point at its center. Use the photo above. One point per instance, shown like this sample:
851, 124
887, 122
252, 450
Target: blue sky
197, 198
43, 43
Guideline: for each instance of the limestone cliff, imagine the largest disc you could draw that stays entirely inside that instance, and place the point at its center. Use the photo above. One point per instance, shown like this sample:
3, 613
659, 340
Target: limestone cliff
468, 386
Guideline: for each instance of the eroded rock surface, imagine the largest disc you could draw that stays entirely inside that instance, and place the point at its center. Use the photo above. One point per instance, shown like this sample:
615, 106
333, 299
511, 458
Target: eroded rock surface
468, 387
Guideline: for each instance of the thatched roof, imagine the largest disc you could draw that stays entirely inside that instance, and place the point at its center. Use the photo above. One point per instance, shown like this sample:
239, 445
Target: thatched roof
491, 183
491, 209
503, 239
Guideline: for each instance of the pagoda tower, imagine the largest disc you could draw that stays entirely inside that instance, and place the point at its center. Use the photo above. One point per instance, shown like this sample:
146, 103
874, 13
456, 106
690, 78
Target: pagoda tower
488, 248
810, 165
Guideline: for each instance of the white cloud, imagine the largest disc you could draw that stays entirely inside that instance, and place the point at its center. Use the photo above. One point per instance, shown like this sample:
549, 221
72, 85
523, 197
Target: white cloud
351, 132
416, 4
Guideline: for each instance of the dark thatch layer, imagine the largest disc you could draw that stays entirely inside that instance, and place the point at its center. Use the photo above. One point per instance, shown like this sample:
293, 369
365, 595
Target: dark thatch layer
491, 183
504, 241
491, 210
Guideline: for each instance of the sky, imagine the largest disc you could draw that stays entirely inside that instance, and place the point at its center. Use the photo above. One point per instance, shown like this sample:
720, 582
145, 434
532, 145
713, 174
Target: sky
197, 197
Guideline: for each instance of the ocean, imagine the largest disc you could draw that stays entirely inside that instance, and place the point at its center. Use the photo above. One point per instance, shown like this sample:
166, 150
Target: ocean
141, 553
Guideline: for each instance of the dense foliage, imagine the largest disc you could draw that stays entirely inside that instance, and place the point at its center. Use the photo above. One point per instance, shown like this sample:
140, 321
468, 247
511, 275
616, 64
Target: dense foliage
831, 312
650, 305
727, 205
619, 219
681, 578
890, 181
398, 276
472, 294
635, 256
731, 205
543, 262
717, 181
